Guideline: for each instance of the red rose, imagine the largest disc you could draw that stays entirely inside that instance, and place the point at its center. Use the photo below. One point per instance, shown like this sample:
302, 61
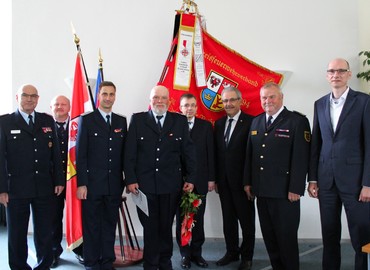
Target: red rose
197, 202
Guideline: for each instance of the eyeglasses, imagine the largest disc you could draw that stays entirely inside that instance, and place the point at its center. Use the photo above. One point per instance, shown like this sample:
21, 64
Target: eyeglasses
33, 96
340, 71
231, 100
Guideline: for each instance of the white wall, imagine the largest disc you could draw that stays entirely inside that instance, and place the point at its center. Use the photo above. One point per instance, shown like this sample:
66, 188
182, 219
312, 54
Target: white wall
134, 36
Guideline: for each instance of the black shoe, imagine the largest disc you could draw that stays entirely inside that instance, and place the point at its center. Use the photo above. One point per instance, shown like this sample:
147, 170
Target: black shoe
80, 259
185, 262
200, 261
245, 265
228, 258
55, 262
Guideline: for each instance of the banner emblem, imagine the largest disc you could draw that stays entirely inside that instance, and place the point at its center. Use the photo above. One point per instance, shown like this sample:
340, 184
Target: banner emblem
211, 96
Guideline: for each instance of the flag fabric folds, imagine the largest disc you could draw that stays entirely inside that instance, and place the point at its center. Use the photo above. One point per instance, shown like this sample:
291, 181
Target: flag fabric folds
80, 104
99, 79
223, 67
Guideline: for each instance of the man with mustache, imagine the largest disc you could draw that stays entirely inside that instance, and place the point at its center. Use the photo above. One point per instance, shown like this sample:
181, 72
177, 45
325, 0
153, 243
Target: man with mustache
231, 134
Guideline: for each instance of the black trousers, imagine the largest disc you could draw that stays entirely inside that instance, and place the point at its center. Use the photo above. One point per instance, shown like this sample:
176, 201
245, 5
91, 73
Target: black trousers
358, 217
279, 220
58, 225
158, 245
99, 221
18, 214
236, 208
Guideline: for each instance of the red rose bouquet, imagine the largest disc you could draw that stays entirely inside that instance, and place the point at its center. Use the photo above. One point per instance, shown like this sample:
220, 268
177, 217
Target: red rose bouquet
189, 205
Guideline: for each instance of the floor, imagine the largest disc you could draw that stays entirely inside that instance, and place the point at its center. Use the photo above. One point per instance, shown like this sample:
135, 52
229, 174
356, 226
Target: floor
213, 249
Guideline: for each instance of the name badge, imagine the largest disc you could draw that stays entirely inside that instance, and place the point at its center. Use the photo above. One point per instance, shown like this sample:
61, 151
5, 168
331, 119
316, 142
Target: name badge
15, 131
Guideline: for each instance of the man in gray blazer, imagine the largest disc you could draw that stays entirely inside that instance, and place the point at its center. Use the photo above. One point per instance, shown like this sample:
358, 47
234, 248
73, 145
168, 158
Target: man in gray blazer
340, 165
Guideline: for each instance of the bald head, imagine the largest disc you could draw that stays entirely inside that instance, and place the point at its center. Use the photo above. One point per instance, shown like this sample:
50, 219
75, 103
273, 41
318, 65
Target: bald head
27, 98
60, 107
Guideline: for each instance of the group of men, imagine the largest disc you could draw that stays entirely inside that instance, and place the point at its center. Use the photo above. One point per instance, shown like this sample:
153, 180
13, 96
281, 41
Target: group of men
164, 154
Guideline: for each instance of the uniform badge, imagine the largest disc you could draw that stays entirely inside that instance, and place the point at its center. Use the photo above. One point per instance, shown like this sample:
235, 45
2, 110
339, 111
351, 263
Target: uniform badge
118, 130
254, 132
46, 129
307, 136
50, 144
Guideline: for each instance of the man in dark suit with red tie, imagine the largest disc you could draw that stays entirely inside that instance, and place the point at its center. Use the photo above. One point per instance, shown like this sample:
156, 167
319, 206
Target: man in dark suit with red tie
201, 133
340, 165
158, 147
231, 135
100, 149
30, 177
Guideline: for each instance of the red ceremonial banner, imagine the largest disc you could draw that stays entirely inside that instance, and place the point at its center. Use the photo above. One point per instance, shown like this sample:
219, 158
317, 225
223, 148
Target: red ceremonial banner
223, 67
80, 104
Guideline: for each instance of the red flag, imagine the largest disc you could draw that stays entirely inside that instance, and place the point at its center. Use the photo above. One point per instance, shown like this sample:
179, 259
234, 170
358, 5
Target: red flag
80, 104
223, 67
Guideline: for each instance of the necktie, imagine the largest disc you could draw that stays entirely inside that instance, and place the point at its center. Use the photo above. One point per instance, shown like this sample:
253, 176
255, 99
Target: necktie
227, 133
159, 117
190, 125
269, 121
30, 121
61, 130
108, 120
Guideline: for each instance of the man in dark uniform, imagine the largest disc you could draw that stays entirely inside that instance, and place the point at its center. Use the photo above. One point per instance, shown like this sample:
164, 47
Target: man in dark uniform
100, 146
201, 133
231, 134
60, 107
30, 176
158, 146
275, 171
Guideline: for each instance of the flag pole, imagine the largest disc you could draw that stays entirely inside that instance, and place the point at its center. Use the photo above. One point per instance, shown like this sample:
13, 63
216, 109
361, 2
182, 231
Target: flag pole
101, 65
78, 47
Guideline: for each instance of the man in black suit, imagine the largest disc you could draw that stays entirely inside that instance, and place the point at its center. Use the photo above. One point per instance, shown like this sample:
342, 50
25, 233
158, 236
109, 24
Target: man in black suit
275, 171
158, 147
100, 149
30, 176
201, 133
60, 107
340, 165
231, 135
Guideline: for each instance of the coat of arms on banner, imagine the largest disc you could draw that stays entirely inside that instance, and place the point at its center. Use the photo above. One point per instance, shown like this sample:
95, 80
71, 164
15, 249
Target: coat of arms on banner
211, 96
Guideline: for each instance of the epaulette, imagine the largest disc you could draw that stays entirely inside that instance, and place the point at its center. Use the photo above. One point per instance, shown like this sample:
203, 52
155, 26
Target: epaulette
48, 114
120, 115
299, 113
86, 113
